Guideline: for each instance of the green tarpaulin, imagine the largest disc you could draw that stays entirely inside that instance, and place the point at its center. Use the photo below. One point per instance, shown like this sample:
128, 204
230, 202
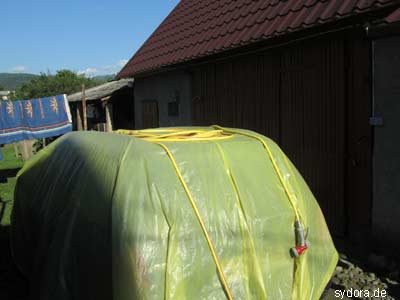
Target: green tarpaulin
194, 213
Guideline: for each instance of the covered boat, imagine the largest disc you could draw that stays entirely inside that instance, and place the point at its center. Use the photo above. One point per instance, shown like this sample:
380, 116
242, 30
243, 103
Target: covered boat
170, 213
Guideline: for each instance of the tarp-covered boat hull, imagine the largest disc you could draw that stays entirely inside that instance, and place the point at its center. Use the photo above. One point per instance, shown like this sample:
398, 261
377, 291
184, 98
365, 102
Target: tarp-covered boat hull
107, 216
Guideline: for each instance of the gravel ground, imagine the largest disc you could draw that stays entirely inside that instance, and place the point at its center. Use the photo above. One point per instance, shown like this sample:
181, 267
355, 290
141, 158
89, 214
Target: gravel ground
351, 281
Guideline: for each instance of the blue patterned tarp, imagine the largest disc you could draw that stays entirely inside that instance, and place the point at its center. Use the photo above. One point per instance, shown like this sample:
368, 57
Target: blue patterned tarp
33, 119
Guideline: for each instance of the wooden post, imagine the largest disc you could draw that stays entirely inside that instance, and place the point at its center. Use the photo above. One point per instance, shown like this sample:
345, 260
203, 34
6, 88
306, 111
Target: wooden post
24, 150
29, 147
109, 126
84, 108
16, 149
78, 117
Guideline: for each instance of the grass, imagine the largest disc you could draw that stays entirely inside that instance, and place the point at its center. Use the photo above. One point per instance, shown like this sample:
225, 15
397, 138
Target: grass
7, 196
9, 162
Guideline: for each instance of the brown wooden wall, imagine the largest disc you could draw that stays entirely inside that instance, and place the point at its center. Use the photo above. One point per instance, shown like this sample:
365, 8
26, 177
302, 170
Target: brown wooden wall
313, 99
123, 109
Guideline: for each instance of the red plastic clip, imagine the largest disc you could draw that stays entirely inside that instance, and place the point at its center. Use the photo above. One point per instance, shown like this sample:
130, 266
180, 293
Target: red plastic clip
298, 250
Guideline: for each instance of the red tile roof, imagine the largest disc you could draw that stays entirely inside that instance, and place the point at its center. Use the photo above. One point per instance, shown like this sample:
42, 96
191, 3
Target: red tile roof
198, 28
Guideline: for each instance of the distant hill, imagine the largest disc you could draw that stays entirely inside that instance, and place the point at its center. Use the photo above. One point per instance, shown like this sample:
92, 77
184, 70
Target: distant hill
104, 78
10, 81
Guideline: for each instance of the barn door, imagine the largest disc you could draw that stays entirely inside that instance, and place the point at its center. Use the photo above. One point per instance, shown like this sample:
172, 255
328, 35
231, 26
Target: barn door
297, 96
150, 114
313, 117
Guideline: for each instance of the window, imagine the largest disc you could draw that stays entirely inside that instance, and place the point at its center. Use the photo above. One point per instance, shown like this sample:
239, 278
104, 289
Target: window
173, 106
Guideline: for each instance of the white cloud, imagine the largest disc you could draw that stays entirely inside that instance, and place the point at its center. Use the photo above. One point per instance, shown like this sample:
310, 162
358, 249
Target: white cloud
19, 69
104, 70
88, 72
122, 63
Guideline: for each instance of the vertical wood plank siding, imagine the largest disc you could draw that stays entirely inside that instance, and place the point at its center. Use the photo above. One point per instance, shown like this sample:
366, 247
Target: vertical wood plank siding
298, 96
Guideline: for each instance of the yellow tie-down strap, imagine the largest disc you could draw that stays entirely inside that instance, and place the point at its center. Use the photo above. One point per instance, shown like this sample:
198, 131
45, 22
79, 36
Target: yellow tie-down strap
171, 135
180, 134
176, 134
158, 135
200, 220
289, 195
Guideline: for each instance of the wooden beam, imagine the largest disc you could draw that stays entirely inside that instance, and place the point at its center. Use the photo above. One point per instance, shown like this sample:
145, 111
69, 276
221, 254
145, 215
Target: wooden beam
84, 108
79, 125
16, 153
109, 126
24, 150
105, 98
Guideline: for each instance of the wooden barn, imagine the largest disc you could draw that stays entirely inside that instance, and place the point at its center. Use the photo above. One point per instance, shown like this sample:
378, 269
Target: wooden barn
321, 78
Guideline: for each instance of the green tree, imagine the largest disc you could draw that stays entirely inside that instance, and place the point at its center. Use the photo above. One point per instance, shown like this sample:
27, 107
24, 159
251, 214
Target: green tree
63, 82
2, 88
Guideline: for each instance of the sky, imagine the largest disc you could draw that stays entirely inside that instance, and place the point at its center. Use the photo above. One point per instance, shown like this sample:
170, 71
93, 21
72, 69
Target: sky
94, 37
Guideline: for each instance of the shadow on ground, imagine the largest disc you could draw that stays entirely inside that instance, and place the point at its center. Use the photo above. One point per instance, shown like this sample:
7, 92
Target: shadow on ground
13, 285
7, 173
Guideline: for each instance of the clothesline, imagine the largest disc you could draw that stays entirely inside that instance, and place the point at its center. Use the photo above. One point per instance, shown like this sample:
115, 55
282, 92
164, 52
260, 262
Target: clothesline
34, 119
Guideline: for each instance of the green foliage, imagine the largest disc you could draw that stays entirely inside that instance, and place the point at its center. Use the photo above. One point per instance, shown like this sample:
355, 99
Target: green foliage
11, 81
7, 189
64, 82
2, 88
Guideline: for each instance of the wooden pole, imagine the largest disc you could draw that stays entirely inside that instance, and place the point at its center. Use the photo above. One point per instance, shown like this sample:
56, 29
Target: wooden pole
24, 150
108, 118
78, 117
84, 108
16, 149
109, 126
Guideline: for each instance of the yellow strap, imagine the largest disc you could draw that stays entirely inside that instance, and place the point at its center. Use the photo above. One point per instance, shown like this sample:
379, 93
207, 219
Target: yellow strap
203, 226
271, 157
158, 135
176, 134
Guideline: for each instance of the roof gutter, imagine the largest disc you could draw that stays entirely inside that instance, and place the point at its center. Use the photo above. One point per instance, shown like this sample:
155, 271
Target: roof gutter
384, 30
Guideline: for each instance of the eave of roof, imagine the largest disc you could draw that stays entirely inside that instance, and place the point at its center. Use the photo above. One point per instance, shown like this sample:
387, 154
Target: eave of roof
102, 91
